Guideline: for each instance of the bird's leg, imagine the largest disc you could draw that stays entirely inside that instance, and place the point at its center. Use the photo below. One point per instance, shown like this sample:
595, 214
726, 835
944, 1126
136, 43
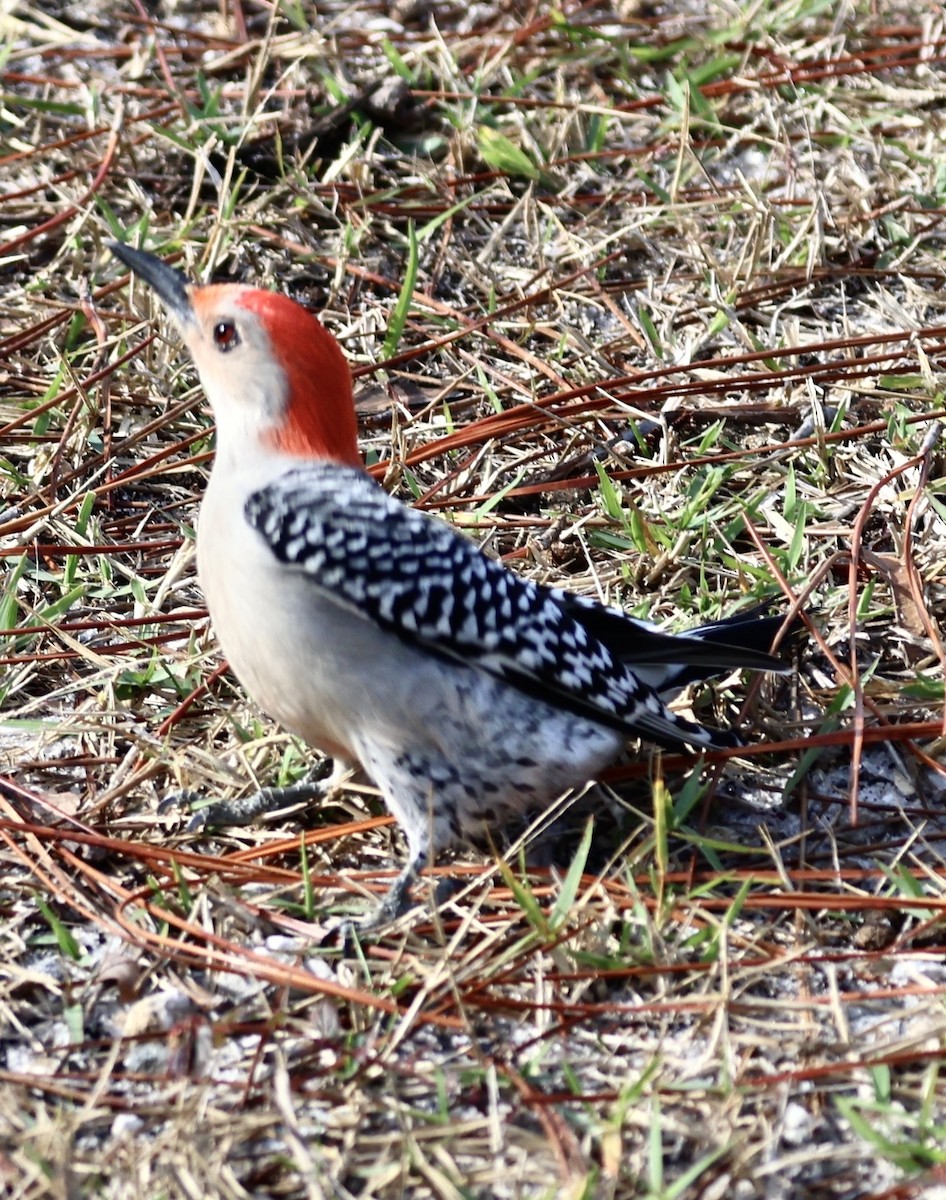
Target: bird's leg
397, 899
394, 904
244, 811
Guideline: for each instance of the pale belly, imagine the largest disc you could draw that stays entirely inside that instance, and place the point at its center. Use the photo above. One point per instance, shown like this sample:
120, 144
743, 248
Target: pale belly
451, 748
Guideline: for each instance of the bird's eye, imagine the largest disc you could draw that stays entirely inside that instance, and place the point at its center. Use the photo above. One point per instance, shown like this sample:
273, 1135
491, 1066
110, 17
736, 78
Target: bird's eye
225, 335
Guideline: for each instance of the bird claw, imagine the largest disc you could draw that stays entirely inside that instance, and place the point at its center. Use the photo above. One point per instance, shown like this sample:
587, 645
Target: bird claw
246, 809
351, 931
347, 933
178, 799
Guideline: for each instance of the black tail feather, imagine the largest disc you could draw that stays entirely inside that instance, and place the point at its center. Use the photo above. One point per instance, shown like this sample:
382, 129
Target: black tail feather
671, 661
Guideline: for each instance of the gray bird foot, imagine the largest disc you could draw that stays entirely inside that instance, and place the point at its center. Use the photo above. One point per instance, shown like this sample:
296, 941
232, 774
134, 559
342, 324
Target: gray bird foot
395, 903
397, 899
247, 809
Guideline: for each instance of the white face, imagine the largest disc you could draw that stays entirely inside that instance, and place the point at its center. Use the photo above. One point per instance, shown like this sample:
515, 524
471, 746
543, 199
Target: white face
241, 376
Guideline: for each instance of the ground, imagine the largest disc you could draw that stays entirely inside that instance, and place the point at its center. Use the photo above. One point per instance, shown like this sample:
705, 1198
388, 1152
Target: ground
648, 300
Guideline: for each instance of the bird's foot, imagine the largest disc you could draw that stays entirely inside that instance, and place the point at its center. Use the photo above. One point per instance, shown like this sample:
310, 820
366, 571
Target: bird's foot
395, 903
397, 899
247, 809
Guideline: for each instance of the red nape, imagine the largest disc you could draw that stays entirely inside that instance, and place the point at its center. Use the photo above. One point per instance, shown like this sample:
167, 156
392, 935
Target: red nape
320, 419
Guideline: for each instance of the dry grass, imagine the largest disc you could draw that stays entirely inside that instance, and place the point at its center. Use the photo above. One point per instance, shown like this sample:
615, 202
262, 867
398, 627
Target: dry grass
675, 338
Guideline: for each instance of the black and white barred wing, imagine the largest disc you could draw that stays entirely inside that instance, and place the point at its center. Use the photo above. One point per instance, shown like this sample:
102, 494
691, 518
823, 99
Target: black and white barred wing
415, 577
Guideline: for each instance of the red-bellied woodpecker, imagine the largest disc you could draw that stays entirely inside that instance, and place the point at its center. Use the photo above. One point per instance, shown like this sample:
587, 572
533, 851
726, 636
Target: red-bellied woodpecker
379, 634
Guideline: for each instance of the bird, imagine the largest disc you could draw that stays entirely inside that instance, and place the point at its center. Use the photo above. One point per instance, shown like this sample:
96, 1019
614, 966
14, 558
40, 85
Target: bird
382, 636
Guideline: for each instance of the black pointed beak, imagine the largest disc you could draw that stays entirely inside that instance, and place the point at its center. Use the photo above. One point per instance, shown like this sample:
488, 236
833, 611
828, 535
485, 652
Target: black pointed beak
172, 286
